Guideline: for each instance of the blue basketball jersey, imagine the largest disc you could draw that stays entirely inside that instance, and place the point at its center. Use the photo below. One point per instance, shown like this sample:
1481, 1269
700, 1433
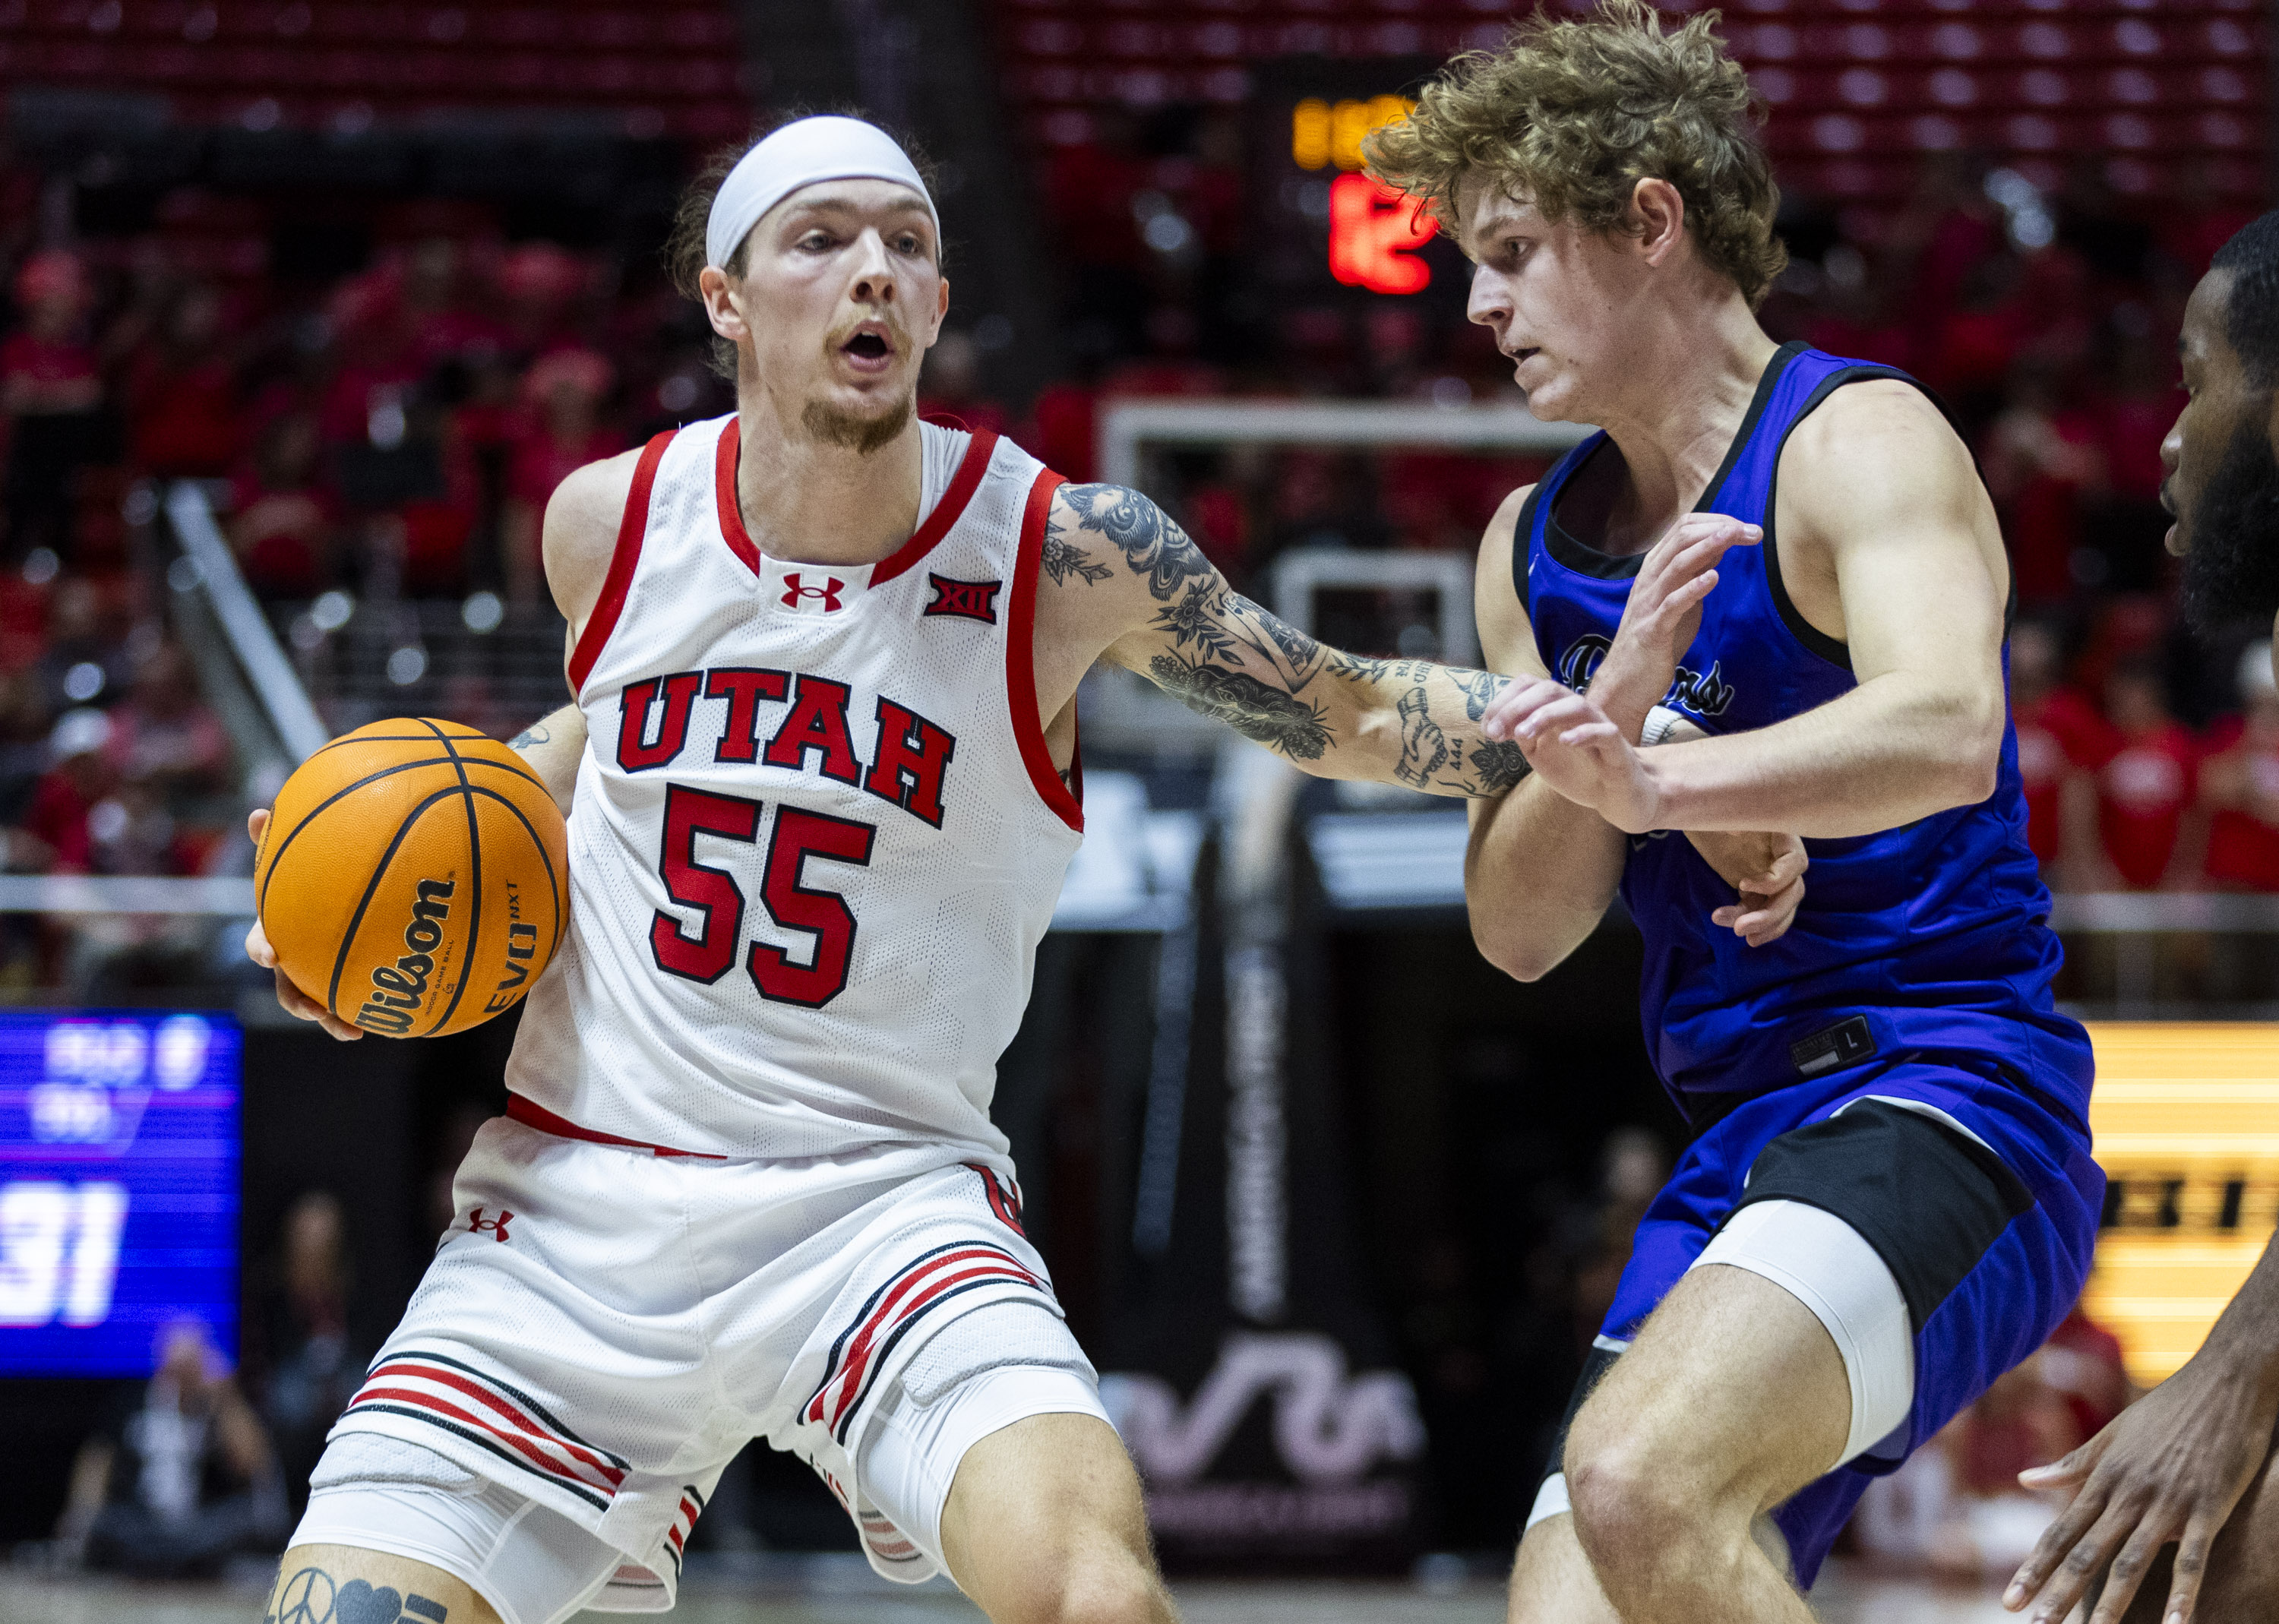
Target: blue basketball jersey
1932, 938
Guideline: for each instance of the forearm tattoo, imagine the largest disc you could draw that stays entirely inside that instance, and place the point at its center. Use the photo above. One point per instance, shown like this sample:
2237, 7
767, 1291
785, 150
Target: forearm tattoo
536, 734
310, 1596
1229, 658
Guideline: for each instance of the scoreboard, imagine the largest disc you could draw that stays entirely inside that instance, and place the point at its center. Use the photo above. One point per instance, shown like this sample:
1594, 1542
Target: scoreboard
119, 1186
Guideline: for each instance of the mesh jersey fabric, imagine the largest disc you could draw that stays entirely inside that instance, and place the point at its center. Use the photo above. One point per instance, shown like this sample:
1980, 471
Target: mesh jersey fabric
816, 836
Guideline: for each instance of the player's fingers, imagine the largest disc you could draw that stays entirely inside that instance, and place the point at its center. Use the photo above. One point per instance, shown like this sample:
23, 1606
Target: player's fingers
2061, 1536
1768, 922
2066, 1471
1714, 531
2124, 1579
1554, 714
2191, 1567
2071, 1579
1523, 697
1788, 866
257, 947
256, 822
296, 1003
301, 1006
1685, 597
1594, 736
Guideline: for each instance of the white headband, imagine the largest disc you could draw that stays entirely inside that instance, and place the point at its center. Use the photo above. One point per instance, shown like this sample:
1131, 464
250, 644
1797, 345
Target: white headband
801, 154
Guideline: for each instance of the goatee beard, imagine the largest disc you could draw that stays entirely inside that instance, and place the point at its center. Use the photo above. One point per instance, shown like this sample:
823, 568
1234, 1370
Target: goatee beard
2232, 571
828, 425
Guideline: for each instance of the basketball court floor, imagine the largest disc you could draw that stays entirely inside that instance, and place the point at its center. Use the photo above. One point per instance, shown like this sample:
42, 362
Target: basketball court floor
832, 1594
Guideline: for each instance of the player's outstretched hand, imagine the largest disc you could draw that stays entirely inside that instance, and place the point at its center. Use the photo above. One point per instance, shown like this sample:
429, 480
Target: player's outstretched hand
1767, 870
1567, 739
2171, 1467
296, 1003
1663, 611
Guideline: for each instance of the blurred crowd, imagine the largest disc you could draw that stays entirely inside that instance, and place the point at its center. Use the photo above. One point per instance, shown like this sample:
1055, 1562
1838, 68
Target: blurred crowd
391, 429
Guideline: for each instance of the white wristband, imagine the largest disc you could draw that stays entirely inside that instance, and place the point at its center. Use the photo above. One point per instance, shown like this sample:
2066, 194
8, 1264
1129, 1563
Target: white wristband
1661, 722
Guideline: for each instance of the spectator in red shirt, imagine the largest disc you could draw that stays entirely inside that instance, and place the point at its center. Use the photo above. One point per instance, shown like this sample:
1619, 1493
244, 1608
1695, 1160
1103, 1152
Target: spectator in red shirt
542, 283
2240, 787
564, 393
2040, 457
182, 404
2060, 738
52, 394
283, 526
2148, 786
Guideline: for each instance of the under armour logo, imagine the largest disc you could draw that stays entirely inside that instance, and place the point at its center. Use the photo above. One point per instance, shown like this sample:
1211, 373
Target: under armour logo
796, 591
477, 1224
972, 600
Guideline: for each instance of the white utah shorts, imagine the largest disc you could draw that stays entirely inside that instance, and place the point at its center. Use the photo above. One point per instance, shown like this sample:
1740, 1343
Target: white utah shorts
604, 1326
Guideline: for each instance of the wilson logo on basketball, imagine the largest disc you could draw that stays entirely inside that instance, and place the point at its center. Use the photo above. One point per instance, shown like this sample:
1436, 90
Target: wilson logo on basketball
398, 988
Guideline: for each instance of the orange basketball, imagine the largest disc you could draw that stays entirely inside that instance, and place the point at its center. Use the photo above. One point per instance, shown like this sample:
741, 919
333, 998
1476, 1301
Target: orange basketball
414, 878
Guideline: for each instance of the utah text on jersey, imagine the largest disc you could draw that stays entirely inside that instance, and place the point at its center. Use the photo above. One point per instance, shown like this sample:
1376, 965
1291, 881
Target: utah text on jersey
817, 832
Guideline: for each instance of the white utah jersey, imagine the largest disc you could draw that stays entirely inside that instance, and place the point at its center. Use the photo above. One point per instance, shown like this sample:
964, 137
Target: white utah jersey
817, 835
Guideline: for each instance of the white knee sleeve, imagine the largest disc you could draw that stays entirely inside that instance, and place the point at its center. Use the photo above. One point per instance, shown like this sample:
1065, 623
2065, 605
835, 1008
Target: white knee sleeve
1822, 1262
980, 1374
532, 1564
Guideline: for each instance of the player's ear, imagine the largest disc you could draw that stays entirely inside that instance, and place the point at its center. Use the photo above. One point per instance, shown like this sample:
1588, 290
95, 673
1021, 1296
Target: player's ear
1657, 217
941, 310
722, 308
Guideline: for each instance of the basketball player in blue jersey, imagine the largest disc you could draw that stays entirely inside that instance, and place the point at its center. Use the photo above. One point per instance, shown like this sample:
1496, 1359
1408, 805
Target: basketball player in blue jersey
2174, 1501
1890, 1200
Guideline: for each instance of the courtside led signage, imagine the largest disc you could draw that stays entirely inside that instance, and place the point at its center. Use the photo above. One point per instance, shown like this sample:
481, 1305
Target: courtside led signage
2186, 1120
118, 1187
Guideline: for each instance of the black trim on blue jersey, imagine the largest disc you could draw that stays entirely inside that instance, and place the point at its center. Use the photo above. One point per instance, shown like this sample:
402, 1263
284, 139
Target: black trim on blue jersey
1579, 556
1570, 550
1828, 648
1522, 549
1775, 370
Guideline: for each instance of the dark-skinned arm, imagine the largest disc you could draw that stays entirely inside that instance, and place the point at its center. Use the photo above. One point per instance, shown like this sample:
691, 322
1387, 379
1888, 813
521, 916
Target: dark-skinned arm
2170, 1468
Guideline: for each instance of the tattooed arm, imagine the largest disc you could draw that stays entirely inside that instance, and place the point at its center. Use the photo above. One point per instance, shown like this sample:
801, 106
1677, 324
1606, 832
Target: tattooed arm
1158, 607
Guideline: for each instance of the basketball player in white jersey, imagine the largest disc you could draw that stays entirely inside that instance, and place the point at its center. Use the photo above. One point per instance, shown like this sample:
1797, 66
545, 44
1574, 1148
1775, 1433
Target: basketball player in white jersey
823, 784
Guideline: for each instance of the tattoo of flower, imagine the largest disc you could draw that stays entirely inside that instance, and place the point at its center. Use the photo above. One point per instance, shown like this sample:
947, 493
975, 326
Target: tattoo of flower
1269, 715
1196, 618
1062, 560
1499, 764
1151, 543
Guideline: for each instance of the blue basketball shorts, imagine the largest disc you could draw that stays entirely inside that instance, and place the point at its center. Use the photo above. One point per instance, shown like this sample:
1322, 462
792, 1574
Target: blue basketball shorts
1980, 1198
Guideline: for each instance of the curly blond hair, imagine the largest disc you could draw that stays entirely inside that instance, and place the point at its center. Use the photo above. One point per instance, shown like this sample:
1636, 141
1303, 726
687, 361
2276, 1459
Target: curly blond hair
1571, 115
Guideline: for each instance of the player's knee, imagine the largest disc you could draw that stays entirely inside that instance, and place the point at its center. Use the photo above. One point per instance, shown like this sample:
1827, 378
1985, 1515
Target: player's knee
1627, 1516
1104, 1587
